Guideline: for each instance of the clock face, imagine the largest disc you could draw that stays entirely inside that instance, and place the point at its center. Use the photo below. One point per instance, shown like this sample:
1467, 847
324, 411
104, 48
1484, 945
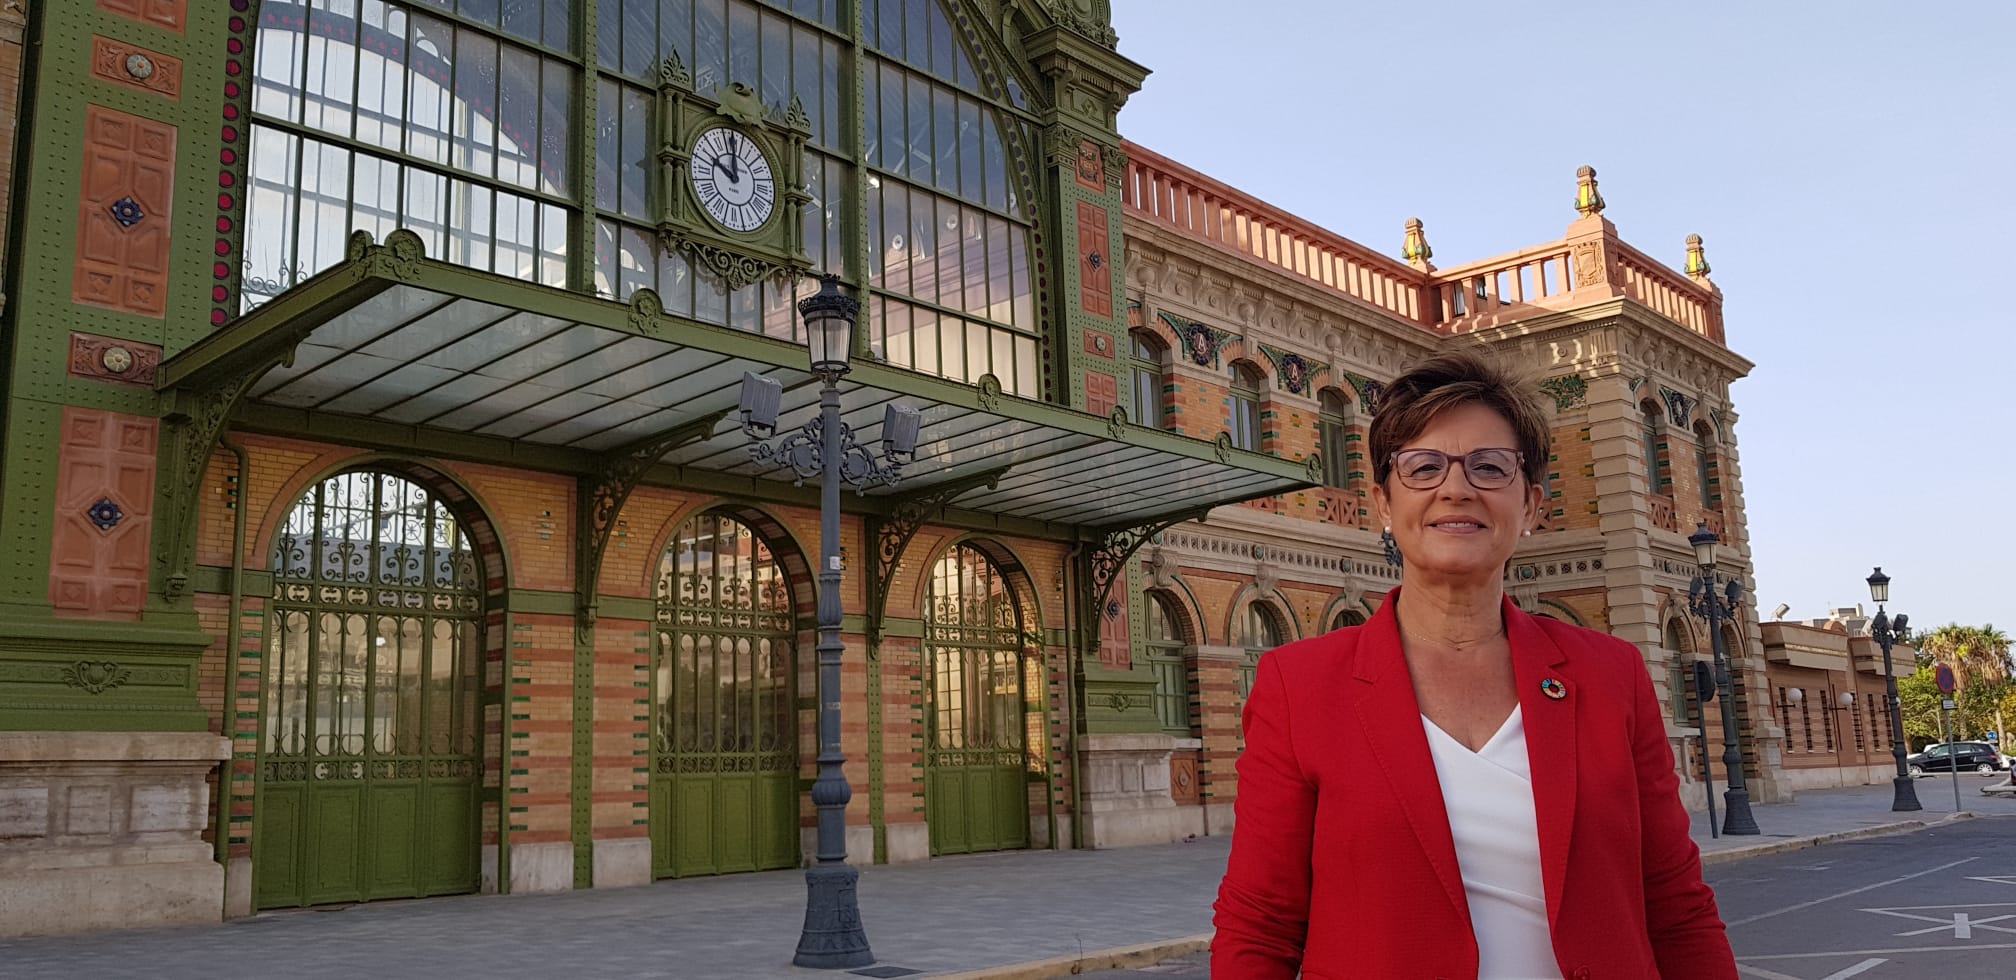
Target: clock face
733, 179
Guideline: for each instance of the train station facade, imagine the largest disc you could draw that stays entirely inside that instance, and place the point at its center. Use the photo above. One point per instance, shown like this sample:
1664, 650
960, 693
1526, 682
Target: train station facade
382, 527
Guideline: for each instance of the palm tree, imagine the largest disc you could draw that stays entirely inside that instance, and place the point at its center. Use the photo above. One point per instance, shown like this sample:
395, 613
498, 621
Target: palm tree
1978, 655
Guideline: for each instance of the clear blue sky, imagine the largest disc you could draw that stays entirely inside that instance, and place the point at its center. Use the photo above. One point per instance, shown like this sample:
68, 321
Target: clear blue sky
1851, 165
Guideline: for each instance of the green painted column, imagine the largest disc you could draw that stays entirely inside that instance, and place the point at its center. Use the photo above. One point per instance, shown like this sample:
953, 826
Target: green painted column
102, 647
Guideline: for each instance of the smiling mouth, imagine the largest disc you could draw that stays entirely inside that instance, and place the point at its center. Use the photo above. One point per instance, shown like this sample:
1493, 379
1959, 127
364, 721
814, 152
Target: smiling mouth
1457, 526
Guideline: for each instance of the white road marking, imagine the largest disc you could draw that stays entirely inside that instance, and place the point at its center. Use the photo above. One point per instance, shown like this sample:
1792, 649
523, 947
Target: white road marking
1871, 952
1853, 891
1859, 968
1862, 967
1997, 879
1962, 926
1763, 974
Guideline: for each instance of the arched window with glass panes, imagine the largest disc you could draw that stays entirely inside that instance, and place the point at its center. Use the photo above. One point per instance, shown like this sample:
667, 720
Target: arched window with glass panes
512, 143
1244, 420
1144, 379
1333, 419
1704, 464
1651, 434
1162, 641
1260, 630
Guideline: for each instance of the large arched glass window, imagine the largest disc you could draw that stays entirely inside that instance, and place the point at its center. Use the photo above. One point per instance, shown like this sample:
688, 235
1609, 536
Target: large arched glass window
1244, 423
512, 145
948, 220
379, 116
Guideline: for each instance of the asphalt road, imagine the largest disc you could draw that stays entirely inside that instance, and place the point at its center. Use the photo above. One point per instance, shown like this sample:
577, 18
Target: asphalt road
1938, 903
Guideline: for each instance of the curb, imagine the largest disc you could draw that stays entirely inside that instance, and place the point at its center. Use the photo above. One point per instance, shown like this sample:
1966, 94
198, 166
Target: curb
1149, 954
1802, 843
1116, 958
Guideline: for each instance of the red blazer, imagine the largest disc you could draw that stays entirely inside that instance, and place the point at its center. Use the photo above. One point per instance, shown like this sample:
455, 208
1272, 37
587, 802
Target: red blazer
1342, 862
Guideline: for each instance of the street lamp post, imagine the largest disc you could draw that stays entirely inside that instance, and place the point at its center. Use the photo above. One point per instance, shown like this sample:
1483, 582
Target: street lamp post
1885, 631
1715, 606
824, 446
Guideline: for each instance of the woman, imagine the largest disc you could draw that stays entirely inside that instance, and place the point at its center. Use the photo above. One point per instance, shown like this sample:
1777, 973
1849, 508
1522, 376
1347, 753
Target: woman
1458, 789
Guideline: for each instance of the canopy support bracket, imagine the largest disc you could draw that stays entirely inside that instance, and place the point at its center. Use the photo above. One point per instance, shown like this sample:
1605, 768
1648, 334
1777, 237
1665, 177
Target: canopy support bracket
894, 532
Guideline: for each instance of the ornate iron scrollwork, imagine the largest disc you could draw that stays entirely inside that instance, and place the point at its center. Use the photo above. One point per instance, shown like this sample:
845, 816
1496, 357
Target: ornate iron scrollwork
194, 426
801, 450
1105, 560
894, 532
602, 495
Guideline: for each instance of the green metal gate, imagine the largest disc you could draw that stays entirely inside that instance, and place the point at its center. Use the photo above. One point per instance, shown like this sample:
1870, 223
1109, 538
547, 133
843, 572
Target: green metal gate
975, 777
369, 764
724, 773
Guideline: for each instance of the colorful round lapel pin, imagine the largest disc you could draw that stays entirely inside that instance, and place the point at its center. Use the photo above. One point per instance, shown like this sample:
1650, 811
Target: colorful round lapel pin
1554, 689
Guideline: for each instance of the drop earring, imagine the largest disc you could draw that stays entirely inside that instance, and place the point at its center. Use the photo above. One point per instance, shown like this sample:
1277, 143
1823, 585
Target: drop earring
1392, 548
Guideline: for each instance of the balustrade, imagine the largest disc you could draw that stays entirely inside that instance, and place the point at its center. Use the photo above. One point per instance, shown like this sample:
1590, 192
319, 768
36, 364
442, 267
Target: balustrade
1668, 293
1168, 193
1468, 297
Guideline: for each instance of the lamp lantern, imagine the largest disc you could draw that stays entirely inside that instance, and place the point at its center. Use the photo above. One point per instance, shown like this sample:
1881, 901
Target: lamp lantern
1879, 587
1704, 542
829, 318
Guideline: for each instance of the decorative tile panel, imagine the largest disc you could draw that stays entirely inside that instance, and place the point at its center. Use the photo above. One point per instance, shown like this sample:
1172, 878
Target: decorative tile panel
124, 215
1091, 168
1183, 777
1095, 277
1116, 649
1098, 344
104, 513
123, 64
1102, 393
166, 14
109, 359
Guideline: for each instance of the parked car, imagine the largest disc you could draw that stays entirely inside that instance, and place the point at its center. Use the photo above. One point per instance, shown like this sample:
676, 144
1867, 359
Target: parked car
1965, 756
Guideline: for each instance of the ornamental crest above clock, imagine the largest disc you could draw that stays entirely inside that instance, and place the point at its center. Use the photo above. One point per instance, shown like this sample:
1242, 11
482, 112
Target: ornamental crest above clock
731, 179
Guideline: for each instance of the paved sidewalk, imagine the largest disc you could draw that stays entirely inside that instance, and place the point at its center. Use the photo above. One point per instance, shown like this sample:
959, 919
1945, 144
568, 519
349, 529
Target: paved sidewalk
983, 912
1818, 816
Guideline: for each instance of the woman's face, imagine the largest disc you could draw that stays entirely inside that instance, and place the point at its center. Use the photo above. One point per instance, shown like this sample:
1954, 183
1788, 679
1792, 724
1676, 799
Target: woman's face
1456, 531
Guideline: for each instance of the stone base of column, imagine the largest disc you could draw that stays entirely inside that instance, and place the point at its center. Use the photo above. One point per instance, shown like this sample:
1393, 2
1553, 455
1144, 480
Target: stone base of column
1128, 800
104, 830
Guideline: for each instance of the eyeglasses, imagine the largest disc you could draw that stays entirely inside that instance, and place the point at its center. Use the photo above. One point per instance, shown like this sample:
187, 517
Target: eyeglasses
1486, 469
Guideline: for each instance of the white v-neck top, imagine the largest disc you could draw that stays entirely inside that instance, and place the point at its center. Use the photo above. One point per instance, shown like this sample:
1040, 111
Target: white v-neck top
1489, 796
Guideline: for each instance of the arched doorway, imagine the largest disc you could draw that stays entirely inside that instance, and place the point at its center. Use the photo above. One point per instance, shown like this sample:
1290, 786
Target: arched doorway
724, 730
370, 758
975, 787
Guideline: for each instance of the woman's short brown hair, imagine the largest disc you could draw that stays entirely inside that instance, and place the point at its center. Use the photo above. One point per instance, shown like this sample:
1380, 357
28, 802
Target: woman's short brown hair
1434, 386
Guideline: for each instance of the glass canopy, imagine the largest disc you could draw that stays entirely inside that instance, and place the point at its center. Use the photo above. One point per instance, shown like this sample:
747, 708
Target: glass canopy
391, 337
